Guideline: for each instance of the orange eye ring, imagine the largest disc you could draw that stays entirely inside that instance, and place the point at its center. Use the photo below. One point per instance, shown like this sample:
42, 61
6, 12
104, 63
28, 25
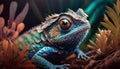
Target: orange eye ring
64, 24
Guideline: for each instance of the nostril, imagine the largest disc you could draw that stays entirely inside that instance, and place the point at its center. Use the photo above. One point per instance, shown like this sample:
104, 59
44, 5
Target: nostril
87, 18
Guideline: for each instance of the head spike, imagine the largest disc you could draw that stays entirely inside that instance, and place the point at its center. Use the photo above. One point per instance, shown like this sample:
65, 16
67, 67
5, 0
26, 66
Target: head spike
70, 11
81, 13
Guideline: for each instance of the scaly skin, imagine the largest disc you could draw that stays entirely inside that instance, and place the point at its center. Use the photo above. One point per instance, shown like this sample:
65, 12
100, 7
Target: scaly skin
56, 38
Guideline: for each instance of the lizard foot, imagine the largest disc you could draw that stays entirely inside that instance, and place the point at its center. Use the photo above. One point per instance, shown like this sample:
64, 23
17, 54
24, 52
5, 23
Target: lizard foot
82, 55
64, 66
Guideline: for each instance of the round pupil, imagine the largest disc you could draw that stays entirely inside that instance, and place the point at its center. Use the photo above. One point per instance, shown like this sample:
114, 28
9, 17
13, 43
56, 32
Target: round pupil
64, 22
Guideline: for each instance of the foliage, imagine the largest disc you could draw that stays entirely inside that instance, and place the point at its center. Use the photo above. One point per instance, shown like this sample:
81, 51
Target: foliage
113, 23
108, 40
15, 26
10, 57
103, 43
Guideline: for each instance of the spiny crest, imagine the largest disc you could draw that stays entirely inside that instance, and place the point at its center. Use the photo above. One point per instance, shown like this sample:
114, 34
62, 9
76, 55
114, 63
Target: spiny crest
37, 28
79, 14
51, 16
49, 20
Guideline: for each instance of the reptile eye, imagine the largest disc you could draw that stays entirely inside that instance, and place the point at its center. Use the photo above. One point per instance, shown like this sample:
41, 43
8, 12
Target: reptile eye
65, 24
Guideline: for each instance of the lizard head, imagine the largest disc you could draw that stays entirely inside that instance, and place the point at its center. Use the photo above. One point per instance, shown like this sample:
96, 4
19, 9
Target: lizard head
67, 29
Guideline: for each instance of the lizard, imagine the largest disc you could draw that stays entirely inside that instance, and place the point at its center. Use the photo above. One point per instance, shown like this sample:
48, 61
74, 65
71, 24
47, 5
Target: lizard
59, 36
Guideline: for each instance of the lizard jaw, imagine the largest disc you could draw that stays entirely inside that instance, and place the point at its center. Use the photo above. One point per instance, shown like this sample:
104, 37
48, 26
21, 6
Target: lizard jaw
80, 29
78, 32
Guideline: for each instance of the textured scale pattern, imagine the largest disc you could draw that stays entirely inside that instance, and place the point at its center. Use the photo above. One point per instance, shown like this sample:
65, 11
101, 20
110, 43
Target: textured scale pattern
56, 38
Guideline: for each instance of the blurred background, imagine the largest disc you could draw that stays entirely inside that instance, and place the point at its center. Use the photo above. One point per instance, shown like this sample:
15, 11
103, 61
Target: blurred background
39, 9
